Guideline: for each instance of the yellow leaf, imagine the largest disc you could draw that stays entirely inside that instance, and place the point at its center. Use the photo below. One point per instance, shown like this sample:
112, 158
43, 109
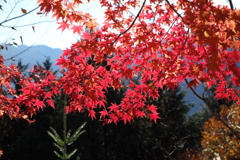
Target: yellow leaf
151, 86
206, 34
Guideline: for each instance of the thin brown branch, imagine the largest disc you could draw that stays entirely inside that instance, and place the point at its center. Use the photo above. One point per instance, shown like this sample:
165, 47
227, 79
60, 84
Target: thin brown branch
131, 24
194, 92
214, 113
170, 27
173, 9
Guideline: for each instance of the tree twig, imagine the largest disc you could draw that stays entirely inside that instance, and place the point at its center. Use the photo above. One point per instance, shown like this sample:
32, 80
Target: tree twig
7, 20
131, 24
213, 112
27, 24
173, 9
231, 4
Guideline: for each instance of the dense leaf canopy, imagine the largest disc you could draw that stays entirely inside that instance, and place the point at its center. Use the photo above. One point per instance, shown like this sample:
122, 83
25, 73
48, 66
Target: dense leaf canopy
164, 43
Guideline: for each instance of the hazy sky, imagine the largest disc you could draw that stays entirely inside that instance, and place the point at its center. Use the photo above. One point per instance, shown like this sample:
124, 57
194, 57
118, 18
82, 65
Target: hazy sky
45, 31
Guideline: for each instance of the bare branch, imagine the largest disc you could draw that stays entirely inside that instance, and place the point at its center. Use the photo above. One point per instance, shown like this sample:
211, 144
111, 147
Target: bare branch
18, 16
12, 9
173, 9
27, 24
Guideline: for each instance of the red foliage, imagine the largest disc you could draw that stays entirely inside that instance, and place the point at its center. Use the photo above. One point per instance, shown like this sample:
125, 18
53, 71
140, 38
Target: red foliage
201, 45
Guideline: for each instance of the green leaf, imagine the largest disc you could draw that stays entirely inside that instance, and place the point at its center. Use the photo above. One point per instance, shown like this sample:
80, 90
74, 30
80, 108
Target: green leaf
76, 134
69, 134
56, 136
72, 153
60, 147
58, 155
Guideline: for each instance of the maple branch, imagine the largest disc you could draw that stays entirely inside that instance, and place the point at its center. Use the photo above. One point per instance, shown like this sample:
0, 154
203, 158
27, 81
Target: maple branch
179, 15
156, 11
170, 27
19, 16
213, 112
131, 24
194, 92
231, 4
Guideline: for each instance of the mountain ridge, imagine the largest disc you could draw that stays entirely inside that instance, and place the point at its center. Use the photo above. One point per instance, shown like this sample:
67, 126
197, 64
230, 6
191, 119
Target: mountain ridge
30, 55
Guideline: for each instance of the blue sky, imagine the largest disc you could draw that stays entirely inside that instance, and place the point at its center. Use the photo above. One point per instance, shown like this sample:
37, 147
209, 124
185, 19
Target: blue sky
45, 31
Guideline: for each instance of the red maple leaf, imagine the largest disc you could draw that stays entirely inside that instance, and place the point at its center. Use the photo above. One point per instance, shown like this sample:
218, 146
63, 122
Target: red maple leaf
50, 103
63, 26
154, 116
92, 114
113, 107
77, 29
140, 114
103, 113
126, 118
48, 95
39, 104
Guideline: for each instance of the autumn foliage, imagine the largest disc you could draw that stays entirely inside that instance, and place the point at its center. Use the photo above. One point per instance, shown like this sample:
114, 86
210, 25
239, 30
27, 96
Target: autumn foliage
218, 141
194, 41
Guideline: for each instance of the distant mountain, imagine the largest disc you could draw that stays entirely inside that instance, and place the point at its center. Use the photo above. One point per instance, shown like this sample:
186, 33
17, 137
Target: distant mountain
30, 55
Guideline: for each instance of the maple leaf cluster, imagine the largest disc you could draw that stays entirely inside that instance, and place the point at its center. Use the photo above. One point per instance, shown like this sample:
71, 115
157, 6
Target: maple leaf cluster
7, 105
201, 45
34, 94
